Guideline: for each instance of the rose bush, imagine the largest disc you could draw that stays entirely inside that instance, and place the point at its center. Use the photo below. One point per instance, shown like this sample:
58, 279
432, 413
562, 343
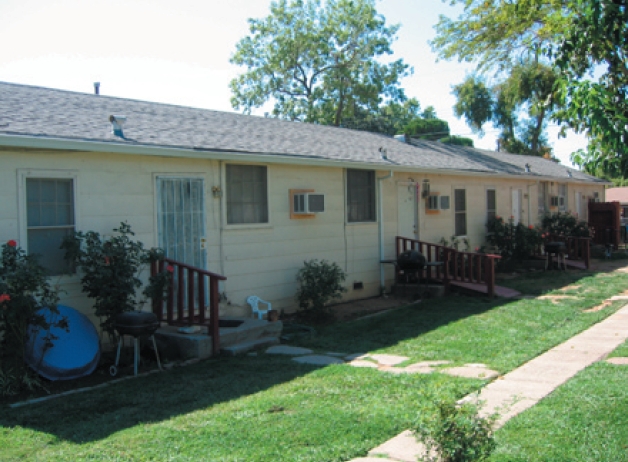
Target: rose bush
24, 289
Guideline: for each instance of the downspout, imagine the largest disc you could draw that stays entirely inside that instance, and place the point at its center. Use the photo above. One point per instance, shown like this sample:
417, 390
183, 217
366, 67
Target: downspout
380, 200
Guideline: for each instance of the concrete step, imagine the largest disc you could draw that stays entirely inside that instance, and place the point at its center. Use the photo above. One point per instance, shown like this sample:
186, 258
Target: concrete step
174, 344
245, 347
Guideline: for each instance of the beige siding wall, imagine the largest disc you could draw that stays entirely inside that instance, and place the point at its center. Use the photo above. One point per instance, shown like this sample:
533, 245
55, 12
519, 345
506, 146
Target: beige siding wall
264, 259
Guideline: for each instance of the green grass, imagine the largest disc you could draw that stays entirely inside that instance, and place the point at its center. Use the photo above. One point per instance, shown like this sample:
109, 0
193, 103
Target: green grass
501, 334
266, 407
585, 420
244, 409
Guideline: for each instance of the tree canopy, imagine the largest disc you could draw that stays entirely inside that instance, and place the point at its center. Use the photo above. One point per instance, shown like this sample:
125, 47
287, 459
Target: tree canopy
583, 44
529, 86
318, 63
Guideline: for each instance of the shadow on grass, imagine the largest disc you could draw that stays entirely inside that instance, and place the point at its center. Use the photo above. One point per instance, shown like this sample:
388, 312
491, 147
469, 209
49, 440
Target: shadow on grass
96, 414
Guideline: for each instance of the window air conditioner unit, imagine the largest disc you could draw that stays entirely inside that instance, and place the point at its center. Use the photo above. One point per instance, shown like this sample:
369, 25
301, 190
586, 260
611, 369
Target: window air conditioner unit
309, 203
433, 202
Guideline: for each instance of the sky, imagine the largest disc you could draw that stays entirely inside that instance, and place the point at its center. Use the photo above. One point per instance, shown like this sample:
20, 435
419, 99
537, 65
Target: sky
178, 52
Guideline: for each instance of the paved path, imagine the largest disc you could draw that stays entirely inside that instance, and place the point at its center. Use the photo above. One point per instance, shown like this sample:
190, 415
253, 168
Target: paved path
527, 385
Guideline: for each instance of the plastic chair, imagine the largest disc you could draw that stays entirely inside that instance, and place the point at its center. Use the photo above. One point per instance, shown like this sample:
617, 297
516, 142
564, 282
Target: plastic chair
255, 301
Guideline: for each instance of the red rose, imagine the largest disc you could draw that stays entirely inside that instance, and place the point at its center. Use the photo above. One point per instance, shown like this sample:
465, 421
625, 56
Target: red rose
12, 243
530, 226
170, 269
5, 298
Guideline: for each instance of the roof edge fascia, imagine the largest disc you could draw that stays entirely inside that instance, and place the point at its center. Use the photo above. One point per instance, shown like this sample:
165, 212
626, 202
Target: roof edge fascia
62, 144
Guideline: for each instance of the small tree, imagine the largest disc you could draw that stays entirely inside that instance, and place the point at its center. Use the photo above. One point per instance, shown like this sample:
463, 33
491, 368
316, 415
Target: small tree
320, 282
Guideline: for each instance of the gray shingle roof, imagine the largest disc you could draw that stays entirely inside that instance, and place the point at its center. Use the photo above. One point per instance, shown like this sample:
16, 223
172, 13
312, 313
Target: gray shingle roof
44, 113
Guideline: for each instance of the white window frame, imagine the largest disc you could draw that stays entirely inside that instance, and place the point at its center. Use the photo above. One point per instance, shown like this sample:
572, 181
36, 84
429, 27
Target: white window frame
22, 176
225, 188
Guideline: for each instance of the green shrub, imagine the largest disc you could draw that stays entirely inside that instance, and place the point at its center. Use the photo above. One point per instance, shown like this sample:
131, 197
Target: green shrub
564, 224
111, 270
24, 289
517, 242
319, 283
456, 433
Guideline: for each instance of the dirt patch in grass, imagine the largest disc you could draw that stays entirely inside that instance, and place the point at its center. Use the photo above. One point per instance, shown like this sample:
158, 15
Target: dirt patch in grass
604, 304
557, 298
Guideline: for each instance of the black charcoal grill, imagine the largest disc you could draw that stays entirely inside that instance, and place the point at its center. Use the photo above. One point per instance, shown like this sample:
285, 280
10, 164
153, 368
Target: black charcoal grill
136, 324
555, 248
410, 262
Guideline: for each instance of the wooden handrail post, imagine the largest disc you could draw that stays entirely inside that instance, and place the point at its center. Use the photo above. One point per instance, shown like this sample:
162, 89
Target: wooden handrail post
445, 251
489, 275
214, 326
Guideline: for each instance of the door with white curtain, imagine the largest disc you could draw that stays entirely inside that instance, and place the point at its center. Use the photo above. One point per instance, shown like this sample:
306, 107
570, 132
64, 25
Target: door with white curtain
181, 219
407, 211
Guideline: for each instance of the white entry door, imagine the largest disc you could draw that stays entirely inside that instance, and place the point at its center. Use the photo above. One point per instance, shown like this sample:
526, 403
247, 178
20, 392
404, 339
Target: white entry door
407, 211
516, 205
181, 219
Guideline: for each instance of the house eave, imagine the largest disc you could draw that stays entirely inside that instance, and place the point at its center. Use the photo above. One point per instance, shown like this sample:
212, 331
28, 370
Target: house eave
52, 144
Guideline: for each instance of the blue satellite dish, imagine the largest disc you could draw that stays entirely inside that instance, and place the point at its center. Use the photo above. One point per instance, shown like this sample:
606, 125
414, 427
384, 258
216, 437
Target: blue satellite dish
75, 352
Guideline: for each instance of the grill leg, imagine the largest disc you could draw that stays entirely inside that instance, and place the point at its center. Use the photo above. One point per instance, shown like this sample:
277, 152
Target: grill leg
156, 352
118, 353
136, 354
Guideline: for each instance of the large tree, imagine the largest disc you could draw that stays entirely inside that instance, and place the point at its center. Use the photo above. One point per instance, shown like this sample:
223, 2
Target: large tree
318, 63
579, 37
597, 43
529, 88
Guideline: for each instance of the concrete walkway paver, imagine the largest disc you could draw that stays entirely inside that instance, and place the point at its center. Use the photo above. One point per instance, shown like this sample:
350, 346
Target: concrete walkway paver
525, 386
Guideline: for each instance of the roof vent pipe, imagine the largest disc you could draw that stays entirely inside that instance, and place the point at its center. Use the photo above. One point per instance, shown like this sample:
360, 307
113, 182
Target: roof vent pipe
97, 88
116, 124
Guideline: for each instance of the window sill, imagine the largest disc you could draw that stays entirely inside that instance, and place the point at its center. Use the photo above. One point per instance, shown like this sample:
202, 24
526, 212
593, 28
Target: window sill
247, 226
360, 223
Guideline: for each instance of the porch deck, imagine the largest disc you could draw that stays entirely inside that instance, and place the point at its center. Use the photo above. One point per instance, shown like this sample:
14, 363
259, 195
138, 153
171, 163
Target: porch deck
499, 291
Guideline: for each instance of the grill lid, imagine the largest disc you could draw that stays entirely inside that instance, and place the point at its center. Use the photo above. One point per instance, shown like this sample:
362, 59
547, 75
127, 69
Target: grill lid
411, 260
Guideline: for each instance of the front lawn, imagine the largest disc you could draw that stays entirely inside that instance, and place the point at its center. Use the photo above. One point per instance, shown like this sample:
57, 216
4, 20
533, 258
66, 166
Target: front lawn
266, 407
584, 420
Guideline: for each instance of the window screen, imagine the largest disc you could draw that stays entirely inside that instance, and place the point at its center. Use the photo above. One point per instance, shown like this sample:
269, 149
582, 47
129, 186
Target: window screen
460, 204
491, 204
361, 195
247, 194
50, 217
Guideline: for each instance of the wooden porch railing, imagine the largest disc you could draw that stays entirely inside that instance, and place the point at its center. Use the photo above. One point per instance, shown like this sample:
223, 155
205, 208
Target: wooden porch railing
578, 248
186, 303
469, 267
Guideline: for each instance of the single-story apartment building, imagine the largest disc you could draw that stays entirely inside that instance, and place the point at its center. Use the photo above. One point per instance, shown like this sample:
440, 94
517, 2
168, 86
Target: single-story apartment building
249, 197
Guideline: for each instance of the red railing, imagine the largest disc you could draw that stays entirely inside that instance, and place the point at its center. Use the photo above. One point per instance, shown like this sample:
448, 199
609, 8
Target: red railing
459, 266
193, 298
